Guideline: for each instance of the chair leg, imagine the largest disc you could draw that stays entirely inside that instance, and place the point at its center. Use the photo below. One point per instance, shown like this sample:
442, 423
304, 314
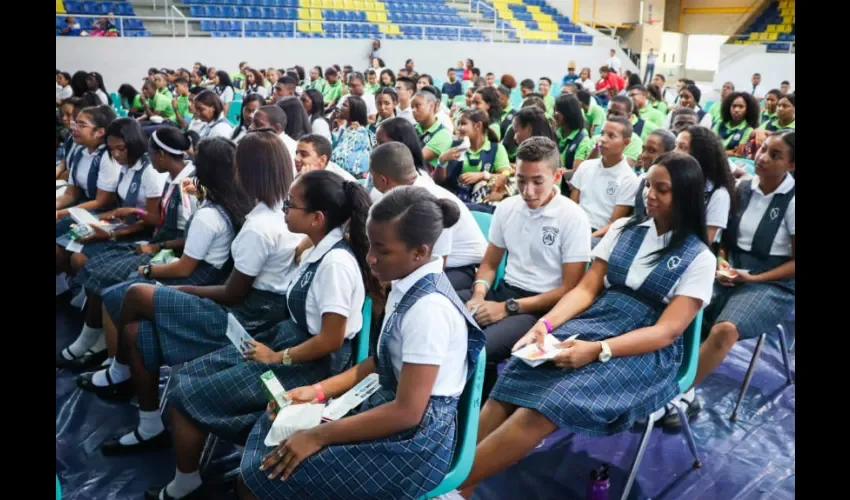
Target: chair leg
644, 440
208, 452
784, 349
164, 399
748, 377
689, 437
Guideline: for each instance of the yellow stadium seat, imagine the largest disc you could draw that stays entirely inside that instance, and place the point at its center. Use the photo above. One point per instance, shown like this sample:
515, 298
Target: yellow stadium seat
395, 30
348, 4
338, 5
316, 27
327, 4
382, 17
369, 5
771, 28
60, 7
304, 26
303, 13
771, 37
380, 7
316, 14
533, 9
370, 16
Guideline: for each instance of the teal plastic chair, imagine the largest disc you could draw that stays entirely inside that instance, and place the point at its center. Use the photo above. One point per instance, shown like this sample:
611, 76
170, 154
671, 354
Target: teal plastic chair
58, 489
685, 379
708, 105
115, 99
483, 220
361, 343
745, 163
465, 84
233, 113
468, 410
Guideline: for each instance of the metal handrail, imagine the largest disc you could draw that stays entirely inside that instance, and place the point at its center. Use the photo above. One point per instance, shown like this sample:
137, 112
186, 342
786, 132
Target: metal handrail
458, 29
185, 22
792, 46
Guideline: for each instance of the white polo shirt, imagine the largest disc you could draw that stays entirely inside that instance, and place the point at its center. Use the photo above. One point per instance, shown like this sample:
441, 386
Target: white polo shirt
152, 183
697, 281
265, 249
717, 211
291, 145
431, 332
337, 286
602, 189
210, 237
539, 242
107, 176
369, 99
333, 167
407, 114
217, 128
759, 203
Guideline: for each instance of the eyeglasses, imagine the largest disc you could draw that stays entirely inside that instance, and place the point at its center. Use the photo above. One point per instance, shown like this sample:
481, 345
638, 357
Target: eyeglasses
76, 124
287, 206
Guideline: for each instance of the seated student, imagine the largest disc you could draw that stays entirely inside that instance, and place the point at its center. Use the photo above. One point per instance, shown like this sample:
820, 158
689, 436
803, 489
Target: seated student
658, 142
637, 94
656, 100
506, 85
574, 143
314, 153
68, 110
629, 311
139, 191
785, 119
426, 352
462, 246
157, 102
273, 119
209, 110
435, 138
205, 258
481, 173
352, 141
725, 91
594, 115
180, 103
163, 325
762, 251
452, 87
400, 130
372, 84
386, 100
297, 120
681, 119
547, 237
487, 99
314, 106
223, 88
333, 89
92, 178
739, 114
406, 88
689, 97
530, 121
621, 106
250, 105
771, 99
605, 187
325, 302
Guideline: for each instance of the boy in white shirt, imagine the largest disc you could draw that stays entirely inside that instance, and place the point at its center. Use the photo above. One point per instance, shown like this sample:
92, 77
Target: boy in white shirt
405, 87
461, 246
605, 187
313, 152
547, 238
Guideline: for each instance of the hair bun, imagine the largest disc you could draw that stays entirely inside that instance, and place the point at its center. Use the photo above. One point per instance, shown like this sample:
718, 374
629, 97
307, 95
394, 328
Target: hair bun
451, 212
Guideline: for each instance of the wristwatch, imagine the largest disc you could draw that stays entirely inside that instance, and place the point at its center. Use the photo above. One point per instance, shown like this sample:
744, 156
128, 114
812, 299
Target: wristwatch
146, 272
512, 306
605, 355
285, 359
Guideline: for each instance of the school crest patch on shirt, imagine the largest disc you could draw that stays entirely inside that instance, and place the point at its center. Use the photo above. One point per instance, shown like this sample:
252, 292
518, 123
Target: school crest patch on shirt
612, 188
305, 279
549, 234
774, 213
673, 262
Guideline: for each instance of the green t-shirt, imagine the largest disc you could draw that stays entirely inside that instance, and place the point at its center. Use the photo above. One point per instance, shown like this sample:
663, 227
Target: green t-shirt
582, 150
319, 85
716, 116
595, 116
499, 162
648, 127
633, 149
766, 117
661, 106
137, 103
183, 107
774, 124
371, 88
440, 141
744, 129
332, 92
495, 127
162, 104
549, 101
653, 116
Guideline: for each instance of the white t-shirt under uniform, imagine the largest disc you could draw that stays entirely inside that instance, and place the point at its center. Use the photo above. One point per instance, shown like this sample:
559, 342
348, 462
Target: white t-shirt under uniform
265, 249
602, 189
333, 167
152, 183
757, 207
337, 286
697, 281
107, 176
210, 236
540, 241
431, 332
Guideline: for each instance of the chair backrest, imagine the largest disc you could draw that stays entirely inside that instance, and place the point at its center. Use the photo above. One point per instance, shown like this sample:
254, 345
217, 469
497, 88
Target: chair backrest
468, 411
690, 358
483, 220
58, 489
234, 111
361, 343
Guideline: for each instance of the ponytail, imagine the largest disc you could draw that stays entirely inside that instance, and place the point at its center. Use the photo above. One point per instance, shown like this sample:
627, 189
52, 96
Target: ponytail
451, 213
357, 203
173, 141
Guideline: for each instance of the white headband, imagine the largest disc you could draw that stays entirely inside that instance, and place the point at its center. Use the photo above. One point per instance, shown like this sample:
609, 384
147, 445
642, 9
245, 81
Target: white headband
164, 147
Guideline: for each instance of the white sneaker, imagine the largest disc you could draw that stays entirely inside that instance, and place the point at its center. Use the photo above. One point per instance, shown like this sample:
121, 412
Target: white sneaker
452, 495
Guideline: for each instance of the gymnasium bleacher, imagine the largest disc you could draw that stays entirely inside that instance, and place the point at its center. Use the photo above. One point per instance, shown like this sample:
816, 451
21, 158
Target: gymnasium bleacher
391, 19
131, 27
536, 21
775, 27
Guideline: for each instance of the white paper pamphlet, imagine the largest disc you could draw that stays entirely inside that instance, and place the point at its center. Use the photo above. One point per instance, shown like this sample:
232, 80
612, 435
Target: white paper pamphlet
236, 333
294, 418
533, 356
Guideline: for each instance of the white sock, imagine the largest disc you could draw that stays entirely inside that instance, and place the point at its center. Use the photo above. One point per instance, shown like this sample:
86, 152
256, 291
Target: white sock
150, 424
183, 484
88, 337
119, 372
99, 344
62, 284
79, 300
689, 395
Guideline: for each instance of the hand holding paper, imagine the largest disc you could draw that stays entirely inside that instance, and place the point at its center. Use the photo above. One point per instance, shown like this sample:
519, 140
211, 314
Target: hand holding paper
533, 355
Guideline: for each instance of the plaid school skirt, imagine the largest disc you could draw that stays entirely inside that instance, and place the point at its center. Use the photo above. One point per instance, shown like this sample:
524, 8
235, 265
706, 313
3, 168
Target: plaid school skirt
186, 326
598, 399
117, 264
205, 274
221, 392
754, 308
404, 466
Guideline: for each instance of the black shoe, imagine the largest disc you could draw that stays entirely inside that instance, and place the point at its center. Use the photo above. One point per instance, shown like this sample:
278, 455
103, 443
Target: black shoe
671, 419
199, 494
113, 447
121, 392
63, 362
91, 360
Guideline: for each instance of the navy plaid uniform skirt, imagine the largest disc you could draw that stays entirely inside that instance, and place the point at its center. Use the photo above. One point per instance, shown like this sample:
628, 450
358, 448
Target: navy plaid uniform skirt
222, 393
404, 466
205, 274
186, 326
598, 399
754, 308
112, 266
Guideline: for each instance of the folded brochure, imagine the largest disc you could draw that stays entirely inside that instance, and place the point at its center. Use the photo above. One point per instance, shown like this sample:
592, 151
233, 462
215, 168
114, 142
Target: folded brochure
533, 356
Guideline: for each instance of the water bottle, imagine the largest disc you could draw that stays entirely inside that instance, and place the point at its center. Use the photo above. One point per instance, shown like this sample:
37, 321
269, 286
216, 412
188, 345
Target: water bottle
599, 484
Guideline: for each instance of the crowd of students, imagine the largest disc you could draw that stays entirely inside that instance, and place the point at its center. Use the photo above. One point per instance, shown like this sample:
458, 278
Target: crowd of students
619, 220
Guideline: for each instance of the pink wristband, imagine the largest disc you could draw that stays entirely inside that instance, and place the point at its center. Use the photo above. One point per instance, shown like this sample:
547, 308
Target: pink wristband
548, 325
320, 394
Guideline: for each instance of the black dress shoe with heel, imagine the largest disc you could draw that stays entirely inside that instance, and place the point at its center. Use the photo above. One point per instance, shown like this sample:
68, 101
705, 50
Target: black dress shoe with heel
113, 447
121, 392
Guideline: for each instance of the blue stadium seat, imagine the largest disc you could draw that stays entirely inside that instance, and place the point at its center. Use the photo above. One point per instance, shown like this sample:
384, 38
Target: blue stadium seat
73, 7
